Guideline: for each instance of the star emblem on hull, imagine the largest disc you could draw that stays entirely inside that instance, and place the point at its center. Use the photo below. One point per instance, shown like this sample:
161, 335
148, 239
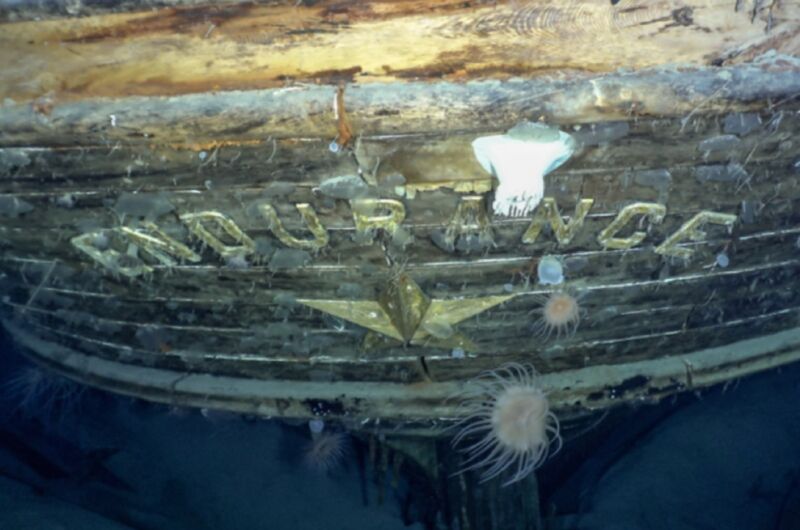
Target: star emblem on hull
404, 313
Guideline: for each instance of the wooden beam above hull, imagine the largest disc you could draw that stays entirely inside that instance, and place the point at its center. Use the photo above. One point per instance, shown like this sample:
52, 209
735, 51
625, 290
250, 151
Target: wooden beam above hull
205, 121
194, 49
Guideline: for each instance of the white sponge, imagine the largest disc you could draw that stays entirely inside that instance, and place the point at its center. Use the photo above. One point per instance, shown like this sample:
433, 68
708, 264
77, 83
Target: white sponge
519, 160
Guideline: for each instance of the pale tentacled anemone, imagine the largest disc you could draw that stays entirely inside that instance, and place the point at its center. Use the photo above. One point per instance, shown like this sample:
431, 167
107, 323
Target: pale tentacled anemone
520, 159
509, 425
327, 448
559, 314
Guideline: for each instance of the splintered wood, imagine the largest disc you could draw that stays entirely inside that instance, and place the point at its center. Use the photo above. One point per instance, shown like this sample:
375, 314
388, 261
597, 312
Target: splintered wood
179, 50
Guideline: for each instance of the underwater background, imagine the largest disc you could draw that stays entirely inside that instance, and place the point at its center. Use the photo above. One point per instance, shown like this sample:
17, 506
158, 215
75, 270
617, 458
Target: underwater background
73, 457
337, 209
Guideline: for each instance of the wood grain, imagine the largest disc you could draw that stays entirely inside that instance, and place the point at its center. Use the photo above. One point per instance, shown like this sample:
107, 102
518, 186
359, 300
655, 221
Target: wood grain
193, 49
217, 106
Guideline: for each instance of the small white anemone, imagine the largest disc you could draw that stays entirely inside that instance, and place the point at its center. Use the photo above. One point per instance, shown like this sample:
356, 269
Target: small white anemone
43, 394
509, 424
519, 160
559, 314
327, 450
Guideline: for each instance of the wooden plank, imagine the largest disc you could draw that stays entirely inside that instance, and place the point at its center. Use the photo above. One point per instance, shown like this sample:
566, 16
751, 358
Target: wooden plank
239, 46
440, 273
211, 119
505, 330
404, 367
207, 309
54, 9
420, 408
624, 147
739, 293
508, 262
681, 189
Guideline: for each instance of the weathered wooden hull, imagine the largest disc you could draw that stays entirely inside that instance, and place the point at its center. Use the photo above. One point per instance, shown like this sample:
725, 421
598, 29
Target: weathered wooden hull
154, 246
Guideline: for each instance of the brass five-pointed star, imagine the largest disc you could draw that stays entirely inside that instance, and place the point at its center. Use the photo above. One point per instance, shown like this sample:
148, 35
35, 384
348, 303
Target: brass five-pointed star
405, 313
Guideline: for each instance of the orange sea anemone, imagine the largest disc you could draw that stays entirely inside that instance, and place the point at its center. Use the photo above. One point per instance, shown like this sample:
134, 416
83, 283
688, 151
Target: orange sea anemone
560, 314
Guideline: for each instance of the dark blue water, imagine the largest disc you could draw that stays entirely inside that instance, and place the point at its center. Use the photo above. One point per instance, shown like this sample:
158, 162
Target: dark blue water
728, 458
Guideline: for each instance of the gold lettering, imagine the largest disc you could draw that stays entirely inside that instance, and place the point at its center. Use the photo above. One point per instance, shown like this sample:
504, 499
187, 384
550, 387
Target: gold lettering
469, 219
312, 223
371, 215
690, 230
196, 224
547, 212
151, 239
653, 211
109, 258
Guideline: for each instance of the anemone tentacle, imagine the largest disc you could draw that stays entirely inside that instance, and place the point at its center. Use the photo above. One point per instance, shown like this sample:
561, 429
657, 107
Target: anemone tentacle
508, 425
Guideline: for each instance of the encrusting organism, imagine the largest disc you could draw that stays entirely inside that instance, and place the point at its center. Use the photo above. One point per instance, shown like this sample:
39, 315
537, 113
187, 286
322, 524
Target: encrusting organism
519, 160
509, 424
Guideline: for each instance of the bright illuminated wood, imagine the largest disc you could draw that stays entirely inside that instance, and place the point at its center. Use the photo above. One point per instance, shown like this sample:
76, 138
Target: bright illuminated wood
240, 46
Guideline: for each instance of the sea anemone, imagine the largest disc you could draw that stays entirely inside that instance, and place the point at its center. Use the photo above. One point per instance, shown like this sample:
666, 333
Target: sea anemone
42, 394
560, 313
509, 424
520, 159
327, 448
